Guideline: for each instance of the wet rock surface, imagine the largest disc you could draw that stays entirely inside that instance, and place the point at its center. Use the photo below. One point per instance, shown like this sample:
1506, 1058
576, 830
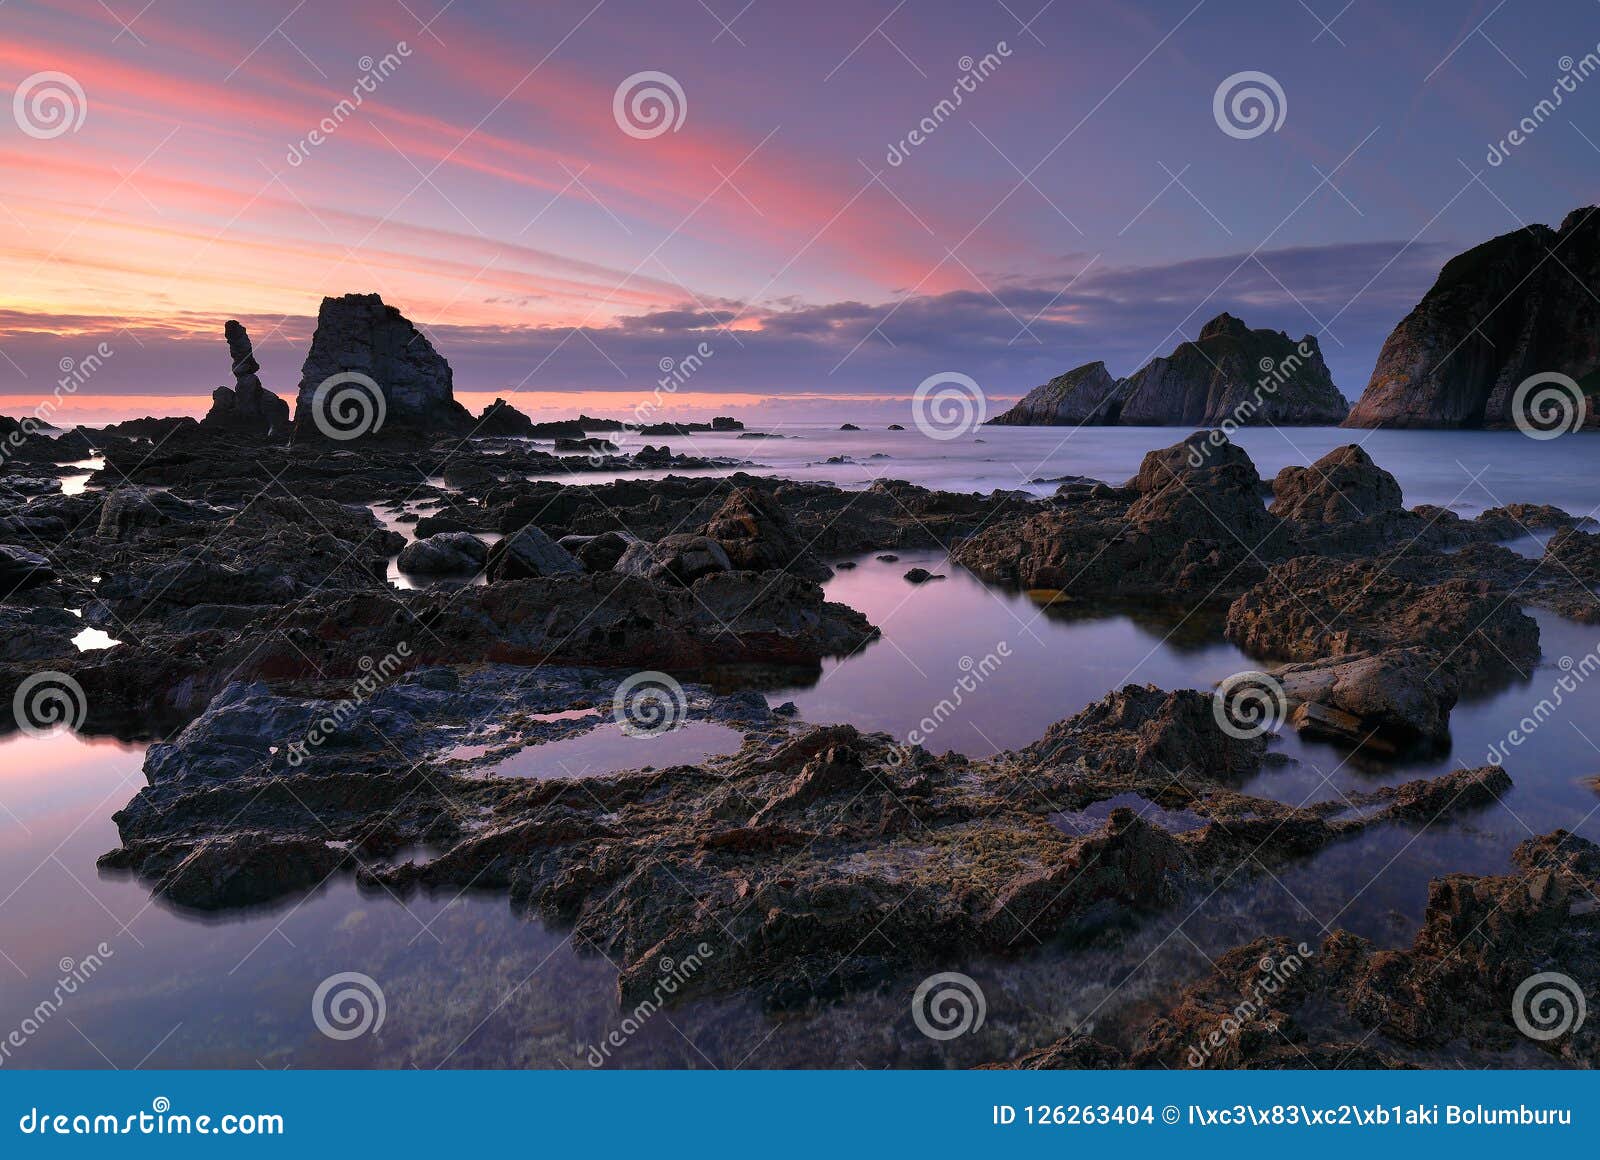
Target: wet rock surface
1457, 993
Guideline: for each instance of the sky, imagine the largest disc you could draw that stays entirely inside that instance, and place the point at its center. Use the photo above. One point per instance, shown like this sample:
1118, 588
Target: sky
162, 170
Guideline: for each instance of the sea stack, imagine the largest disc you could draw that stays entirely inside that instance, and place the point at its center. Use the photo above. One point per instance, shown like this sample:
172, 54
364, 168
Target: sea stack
1516, 306
359, 335
247, 406
1230, 374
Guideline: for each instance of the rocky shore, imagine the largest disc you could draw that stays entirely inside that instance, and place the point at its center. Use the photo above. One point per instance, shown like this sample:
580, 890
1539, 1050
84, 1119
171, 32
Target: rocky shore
314, 717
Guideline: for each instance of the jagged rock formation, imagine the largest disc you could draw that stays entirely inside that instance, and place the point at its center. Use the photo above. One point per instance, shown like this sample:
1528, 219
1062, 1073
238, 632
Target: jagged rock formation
359, 333
1513, 307
1229, 374
501, 418
1084, 394
246, 406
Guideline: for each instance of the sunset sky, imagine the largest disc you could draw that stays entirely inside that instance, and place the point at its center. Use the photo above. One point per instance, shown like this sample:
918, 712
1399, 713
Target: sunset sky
1081, 203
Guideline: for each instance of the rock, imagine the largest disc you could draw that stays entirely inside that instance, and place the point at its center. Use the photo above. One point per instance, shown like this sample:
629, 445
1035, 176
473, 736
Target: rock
32, 634
1229, 374
894, 427
530, 553
586, 444
681, 557
127, 511
157, 430
246, 407
922, 576
757, 535
1191, 529
1086, 394
887, 558
1312, 608
448, 553
598, 553
1201, 451
1498, 314
1427, 799
237, 870
1344, 486
500, 418
20, 569
1575, 553
432, 525
1402, 696
358, 333
849, 427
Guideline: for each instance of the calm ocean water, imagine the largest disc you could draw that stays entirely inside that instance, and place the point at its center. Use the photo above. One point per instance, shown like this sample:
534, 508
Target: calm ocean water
1466, 471
467, 983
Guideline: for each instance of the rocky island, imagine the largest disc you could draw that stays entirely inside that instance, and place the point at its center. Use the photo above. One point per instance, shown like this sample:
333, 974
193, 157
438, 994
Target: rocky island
1230, 373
